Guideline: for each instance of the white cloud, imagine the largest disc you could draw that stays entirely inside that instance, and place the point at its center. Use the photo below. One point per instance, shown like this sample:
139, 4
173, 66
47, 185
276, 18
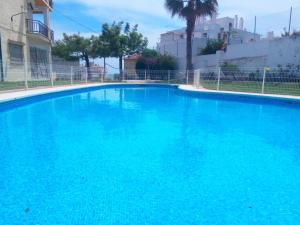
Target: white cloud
154, 19
256, 7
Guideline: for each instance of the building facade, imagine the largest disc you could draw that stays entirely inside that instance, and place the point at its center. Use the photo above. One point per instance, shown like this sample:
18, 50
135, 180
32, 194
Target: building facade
25, 40
230, 30
130, 62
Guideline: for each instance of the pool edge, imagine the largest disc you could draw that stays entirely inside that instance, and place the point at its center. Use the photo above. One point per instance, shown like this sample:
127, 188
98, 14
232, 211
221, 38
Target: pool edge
191, 89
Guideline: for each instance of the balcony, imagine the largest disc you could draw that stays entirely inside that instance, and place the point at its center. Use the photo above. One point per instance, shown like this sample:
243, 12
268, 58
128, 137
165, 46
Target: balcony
37, 27
43, 3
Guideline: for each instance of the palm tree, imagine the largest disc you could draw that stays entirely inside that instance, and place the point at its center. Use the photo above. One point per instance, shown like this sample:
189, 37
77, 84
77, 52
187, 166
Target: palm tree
190, 10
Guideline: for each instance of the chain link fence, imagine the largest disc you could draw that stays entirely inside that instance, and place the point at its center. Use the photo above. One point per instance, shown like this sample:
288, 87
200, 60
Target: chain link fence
281, 81
29, 76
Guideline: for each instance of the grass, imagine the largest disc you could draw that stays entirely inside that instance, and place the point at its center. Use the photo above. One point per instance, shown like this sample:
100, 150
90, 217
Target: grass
4, 86
283, 88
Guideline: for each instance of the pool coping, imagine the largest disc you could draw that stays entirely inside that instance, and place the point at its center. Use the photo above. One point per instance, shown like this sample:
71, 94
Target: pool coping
191, 89
22, 94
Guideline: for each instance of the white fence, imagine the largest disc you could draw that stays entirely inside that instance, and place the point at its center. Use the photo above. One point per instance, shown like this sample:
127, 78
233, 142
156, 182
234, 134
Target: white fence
285, 81
277, 80
28, 76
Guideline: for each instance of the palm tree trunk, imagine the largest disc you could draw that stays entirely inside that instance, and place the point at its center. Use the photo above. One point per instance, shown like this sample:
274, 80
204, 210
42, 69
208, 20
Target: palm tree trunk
189, 35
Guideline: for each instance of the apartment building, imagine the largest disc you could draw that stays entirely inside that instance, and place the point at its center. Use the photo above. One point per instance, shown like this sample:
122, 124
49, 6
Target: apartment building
25, 39
230, 30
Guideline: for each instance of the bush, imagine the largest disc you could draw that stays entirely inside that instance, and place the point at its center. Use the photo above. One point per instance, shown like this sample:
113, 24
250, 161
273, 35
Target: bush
212, 47
152, 60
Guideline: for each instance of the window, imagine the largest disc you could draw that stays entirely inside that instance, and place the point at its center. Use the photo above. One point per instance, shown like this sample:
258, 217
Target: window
15, 53
39, 63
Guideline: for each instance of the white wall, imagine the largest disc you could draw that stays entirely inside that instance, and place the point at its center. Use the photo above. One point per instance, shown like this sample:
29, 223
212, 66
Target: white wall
252, 49
262, 53
284, 51
178, 48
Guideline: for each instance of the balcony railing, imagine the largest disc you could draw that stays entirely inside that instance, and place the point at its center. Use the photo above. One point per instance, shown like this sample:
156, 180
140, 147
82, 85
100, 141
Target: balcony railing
37, 27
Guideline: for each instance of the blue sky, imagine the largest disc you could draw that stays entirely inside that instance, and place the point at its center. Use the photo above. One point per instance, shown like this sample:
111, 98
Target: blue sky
153, 19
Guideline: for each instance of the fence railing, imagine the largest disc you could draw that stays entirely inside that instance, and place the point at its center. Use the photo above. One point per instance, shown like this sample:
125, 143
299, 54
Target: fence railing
37, 27
253, 80
34, 75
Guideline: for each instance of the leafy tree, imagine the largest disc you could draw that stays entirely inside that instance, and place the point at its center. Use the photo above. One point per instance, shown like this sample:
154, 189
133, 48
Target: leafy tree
123, 41
149, 53
190, 10
166, 62
111, 35
100, 49
73, 47
212, 47
152, 60
136, 43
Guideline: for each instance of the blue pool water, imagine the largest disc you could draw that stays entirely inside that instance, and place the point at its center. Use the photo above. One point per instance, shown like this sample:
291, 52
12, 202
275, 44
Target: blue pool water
149, 155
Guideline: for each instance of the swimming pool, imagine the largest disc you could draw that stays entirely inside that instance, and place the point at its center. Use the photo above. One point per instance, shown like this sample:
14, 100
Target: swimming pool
149, 155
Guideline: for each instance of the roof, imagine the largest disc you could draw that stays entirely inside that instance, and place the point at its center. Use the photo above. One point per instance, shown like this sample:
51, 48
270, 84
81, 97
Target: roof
133, 57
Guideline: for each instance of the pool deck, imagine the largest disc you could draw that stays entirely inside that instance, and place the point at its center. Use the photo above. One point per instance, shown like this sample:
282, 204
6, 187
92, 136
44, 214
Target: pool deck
13, 95
203, 90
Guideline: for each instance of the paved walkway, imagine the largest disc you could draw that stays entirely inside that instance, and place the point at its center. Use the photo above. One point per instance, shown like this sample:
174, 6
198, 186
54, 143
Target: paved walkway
12, 95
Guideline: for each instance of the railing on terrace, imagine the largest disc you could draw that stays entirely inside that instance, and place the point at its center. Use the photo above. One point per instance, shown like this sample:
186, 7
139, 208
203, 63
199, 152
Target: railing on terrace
37, 27
254, 80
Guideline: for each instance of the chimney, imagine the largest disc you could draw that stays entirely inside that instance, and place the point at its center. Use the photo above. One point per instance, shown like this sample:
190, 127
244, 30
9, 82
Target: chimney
241, 24
236, 20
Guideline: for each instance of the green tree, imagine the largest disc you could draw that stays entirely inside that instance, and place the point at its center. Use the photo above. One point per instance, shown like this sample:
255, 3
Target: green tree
123, 40
73, 47
190, 10
136, 43
212, 47
152, 60
166, 62
100, 49
111, 35
149, 53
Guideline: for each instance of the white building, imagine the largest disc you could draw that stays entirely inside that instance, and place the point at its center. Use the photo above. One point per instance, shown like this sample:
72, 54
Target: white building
231, 30
25, 39
244, 49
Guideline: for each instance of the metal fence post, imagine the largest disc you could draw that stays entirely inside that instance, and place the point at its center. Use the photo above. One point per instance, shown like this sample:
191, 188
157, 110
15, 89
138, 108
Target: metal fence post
263, 82
71, 75
145, 74
197, 78
86, 75
169, 75
52, 80
187, 77
26, 75
219, 76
